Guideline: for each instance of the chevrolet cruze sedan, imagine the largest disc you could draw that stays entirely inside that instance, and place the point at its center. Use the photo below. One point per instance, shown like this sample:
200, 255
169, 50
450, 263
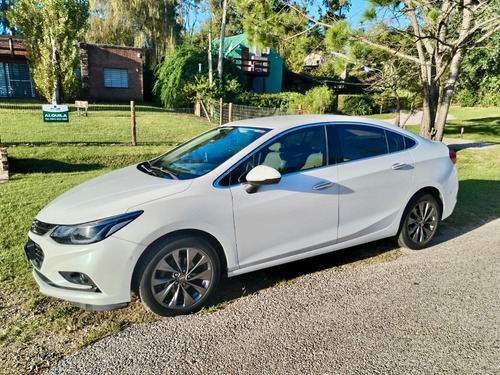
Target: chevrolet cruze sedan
241, 197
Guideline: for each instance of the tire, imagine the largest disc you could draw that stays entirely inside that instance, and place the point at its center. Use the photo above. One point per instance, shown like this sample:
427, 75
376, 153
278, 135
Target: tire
420, 222
178, 275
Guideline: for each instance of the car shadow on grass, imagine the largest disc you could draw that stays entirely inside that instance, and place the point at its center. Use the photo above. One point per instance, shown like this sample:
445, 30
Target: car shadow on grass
24, 166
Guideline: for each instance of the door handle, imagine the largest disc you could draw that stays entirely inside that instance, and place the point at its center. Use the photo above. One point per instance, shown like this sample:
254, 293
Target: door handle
399, 166
323, 185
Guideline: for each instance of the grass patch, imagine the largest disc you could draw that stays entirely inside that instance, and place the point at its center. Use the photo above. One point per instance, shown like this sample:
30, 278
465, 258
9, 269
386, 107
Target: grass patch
480, 124
47, 159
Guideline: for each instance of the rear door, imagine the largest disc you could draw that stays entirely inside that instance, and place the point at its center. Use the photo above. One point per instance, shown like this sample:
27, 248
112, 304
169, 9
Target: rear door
375, 174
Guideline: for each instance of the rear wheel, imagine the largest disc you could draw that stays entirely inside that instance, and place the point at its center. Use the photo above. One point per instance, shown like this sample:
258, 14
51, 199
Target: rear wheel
178, 275
420, 222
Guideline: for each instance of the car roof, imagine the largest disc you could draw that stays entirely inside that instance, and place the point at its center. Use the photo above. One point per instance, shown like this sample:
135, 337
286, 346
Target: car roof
291, 121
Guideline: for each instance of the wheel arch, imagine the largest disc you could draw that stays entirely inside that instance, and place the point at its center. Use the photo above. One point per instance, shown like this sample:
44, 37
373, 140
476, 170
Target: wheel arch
432, 191
425, 190
183, 233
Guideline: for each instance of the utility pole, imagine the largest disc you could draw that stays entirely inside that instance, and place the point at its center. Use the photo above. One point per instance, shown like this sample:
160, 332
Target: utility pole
222, 34
210, 72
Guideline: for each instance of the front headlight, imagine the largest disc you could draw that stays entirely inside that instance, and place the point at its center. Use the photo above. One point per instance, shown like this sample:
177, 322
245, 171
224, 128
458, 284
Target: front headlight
92, 232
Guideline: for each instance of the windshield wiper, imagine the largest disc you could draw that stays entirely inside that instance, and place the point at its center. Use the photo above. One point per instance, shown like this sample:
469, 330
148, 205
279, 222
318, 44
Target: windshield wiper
164, 171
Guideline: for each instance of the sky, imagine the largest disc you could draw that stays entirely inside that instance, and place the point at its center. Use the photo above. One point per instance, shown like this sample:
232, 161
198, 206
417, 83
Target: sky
356, 11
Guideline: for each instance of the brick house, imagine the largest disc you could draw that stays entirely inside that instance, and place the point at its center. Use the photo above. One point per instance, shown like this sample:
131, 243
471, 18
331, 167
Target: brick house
108, 73
111, 73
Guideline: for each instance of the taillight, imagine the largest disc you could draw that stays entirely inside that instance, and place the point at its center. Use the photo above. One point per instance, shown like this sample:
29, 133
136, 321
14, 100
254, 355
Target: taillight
453, 156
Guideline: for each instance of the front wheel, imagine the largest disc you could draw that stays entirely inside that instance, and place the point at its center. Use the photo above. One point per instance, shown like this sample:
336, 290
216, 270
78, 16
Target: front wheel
178, 275
420, 222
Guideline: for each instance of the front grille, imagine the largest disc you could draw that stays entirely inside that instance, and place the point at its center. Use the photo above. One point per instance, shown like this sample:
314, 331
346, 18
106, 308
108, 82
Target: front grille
34, 253
41, 228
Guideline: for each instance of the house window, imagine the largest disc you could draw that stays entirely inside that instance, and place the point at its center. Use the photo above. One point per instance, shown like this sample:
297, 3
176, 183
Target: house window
15, 81
116, 78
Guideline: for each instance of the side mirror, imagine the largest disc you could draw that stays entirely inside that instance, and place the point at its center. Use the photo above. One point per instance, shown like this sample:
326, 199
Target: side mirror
261, 175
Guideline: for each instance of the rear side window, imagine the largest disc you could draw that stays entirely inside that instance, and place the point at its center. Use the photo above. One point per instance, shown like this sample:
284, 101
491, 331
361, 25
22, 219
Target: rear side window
409, 143
360, 142
395, 141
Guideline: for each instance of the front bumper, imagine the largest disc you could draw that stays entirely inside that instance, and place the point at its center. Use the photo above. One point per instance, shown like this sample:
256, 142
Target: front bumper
108, 265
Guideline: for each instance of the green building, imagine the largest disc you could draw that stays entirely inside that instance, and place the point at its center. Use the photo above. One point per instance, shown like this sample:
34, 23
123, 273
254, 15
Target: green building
264, 68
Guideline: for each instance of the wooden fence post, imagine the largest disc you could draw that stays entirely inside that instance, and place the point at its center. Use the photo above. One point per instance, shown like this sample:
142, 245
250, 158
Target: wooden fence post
230, 114
197, 108
132, 115
221, 111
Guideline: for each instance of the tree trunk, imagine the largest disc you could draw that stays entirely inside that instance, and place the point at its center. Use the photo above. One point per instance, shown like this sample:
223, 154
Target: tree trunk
210, 72
55, 69
222, 35
427, 123
448, 94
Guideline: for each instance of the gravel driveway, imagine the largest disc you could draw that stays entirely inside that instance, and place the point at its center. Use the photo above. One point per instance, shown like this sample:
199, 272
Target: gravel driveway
435, 311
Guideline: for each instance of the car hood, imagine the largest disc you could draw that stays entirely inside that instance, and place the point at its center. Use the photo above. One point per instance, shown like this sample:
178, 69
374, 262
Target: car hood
109, 195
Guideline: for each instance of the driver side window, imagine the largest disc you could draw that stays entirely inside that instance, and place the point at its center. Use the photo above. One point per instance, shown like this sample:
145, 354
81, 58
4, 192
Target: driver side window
295, 151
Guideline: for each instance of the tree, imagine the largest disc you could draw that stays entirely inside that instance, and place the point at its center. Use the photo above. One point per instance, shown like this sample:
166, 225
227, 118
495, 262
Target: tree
214, 10
150, 24
179, 82
283, 25
390, 76
51, 29
108, 25
442, 32
480, 76
438, 34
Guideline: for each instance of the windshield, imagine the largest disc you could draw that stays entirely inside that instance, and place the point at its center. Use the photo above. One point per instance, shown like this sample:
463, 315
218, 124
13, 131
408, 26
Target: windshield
203, 153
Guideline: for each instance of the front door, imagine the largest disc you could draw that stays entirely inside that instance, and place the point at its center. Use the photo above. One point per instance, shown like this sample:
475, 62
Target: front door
284, 222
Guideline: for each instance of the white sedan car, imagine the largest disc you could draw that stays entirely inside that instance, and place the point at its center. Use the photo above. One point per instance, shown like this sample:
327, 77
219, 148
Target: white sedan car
241, 197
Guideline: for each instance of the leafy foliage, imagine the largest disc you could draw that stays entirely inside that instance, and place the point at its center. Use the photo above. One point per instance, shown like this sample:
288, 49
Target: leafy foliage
51, 29
283, 100
179, 81
466, 98
318, 100
150, 24
356, 105
278, 24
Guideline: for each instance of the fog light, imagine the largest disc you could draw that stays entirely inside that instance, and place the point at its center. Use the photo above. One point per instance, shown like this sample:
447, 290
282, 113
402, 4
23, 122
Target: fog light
78, 278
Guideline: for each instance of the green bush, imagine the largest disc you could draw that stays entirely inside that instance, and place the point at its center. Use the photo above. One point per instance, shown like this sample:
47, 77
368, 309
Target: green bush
466, 98
316, 101
179, 83
280, 100
490, 92
356, 105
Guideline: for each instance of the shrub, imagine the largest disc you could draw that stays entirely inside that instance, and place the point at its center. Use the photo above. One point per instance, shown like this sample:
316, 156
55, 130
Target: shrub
466, 98
178, 81
317, 100
280, 100
356, 105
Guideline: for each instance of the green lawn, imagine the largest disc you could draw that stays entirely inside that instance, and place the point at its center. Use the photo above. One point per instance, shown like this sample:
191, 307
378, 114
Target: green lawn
47, 159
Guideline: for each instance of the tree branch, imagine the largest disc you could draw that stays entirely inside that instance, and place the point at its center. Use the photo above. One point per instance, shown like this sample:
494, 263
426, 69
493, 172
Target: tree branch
387, 49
